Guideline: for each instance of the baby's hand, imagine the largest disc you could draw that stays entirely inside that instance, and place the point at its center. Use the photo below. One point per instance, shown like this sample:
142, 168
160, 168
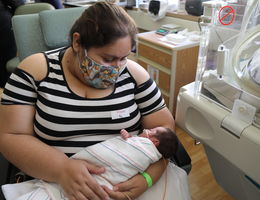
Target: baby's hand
124, 134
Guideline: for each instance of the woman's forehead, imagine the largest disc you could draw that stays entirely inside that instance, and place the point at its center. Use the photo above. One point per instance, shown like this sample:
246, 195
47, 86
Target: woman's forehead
121, 47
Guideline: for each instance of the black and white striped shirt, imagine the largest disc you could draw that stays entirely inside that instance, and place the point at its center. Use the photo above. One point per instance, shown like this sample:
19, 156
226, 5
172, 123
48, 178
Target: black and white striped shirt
70, 122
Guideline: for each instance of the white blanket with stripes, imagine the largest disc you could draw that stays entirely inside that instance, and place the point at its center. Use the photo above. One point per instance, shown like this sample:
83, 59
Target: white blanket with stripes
122, 159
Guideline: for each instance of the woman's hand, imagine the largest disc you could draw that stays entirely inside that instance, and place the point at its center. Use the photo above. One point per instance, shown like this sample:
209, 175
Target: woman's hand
77, 182
132, 188
137, 185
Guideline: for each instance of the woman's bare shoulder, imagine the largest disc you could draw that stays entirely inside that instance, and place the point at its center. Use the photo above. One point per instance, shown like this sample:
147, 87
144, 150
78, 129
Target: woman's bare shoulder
138, 72
35, 65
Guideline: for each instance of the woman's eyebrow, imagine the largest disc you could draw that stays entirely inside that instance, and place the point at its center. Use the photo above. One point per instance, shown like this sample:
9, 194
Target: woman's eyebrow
109, 55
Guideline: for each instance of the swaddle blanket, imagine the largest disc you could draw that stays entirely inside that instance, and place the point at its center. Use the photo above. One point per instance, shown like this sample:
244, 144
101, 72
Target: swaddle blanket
122, 159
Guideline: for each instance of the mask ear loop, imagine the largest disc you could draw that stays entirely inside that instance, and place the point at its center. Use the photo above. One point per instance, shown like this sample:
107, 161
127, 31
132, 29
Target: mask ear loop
84, 70
80, 64
89, 60
86, 53
122, 68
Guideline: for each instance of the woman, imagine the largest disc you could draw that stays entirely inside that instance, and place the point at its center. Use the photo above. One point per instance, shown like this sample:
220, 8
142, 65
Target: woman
58, 102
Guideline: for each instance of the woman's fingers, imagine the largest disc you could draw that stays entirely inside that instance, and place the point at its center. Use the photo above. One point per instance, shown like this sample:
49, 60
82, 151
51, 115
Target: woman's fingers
80, 196
92, 190
77, 196
87, 193
115, 194
93, 169
78, 183
125, 186
71, 197
134, 186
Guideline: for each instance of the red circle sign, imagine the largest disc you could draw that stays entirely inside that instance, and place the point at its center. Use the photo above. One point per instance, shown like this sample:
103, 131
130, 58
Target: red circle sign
226, 15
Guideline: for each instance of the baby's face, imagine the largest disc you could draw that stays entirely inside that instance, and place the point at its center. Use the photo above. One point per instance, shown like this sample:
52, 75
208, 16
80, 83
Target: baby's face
148, 133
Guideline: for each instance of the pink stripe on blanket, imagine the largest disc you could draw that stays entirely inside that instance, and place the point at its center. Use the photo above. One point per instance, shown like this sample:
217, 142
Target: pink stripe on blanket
108, 163
125, 157
143, 150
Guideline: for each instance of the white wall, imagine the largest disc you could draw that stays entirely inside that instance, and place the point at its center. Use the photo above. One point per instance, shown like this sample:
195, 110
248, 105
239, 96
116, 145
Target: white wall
144, 21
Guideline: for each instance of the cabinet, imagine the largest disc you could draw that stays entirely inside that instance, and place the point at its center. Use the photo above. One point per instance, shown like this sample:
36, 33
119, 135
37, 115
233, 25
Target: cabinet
171, 66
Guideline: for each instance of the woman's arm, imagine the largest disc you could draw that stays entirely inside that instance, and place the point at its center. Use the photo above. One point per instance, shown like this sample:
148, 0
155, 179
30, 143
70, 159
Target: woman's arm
39, 160
161, 117
19, 145
137, 185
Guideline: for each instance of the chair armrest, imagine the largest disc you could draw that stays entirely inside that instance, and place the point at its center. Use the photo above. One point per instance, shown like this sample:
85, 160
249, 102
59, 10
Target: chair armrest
182, 158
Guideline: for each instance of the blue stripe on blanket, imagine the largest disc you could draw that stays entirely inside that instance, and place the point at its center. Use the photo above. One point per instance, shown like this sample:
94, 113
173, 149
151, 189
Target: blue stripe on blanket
113, 168
123, 157
146, 154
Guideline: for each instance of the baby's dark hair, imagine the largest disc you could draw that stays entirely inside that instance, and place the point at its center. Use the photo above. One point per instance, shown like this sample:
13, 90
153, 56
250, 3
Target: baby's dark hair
168, 143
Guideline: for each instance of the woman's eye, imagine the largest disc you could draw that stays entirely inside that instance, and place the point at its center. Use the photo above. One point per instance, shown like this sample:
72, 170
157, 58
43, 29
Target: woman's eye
108, 60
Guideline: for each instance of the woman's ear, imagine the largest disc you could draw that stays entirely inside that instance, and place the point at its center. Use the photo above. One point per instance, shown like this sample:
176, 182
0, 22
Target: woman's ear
76, 42
155, 141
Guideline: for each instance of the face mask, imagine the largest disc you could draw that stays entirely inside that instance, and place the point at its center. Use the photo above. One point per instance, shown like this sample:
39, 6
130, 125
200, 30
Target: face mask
97, 75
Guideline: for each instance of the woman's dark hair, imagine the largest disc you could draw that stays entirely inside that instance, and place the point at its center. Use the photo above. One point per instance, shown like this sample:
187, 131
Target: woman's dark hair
103, 23
168, 143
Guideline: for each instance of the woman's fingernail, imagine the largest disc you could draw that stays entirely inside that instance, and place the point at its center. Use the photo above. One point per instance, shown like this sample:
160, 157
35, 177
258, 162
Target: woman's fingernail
115, 188
102, 169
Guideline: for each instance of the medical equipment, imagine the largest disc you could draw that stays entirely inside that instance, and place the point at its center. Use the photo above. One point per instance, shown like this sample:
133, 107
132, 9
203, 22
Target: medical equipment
157, 9
168, 28
194, 7
126, 3
222, 107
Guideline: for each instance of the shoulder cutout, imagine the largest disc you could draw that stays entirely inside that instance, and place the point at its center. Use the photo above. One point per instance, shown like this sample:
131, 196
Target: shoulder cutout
138, 72
36, 65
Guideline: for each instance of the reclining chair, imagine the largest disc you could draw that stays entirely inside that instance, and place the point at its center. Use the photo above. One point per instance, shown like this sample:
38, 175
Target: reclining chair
35, 33
31, 8
25, 9
48, 30
42, 31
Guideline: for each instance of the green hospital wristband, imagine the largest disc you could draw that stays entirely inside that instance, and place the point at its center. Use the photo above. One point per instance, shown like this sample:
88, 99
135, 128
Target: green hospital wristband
148, 179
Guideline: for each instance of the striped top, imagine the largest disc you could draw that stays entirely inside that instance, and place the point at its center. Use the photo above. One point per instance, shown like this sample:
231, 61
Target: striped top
70, 122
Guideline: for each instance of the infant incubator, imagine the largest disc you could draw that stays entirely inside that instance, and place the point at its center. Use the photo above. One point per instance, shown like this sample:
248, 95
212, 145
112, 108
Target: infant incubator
221, 109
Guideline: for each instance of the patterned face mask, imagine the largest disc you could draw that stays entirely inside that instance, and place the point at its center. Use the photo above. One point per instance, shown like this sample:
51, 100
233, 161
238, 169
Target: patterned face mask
100, 76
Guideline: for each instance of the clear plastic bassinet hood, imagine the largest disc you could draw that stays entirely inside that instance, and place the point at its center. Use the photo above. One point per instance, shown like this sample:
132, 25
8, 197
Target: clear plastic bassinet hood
229, 58
221, 109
